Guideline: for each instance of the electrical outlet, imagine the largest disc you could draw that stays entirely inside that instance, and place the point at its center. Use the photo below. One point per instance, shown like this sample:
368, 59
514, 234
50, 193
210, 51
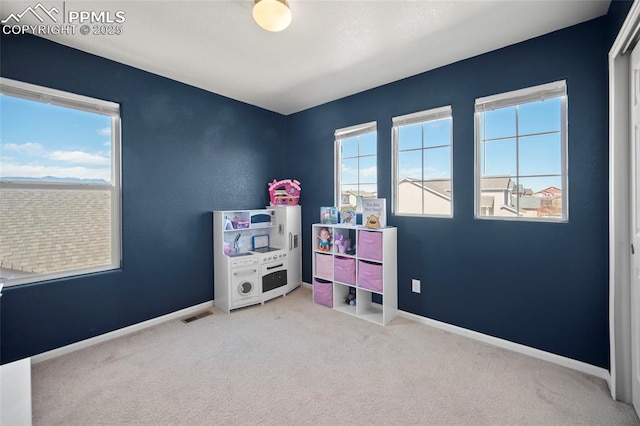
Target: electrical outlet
415, 286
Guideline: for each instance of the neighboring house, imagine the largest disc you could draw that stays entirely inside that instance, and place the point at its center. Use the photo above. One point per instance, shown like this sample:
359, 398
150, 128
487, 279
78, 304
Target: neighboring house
436, 193
495, 197
550, 192
551, 201
353, 198
44, 231
498, 197
528, 204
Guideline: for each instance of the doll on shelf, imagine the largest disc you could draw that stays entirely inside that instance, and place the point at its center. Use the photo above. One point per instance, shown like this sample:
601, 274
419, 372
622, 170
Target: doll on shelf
325, 237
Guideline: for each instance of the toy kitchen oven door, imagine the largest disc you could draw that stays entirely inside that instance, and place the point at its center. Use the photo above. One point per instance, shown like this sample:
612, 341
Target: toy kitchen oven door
273, 268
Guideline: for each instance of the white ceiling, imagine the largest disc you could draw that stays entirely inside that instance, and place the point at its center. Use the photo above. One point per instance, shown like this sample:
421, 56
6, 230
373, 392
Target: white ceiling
333, 48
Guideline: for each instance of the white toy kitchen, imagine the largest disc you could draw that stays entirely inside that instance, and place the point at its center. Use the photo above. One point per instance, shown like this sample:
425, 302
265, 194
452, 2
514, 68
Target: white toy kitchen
256, 254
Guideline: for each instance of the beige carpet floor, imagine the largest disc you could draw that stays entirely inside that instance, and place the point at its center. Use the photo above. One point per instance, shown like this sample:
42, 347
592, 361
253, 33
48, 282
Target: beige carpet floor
295, 362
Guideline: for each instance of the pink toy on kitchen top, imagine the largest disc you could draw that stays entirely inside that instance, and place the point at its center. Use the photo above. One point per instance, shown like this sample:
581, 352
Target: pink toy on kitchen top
284, 192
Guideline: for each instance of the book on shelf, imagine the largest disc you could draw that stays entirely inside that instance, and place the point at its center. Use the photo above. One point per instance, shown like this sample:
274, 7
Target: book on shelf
374, 212
348, 216
329, 215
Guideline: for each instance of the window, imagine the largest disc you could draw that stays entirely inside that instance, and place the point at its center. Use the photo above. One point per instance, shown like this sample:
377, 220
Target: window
422, 144
521, 154
59, 184
356, 165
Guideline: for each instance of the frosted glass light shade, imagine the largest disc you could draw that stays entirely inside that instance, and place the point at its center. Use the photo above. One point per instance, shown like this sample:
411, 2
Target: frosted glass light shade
272, 15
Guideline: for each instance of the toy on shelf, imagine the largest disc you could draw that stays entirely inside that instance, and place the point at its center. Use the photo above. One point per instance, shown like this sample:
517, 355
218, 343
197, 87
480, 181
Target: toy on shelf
325, 240
348, 249
238, 223
351, 297
373, 221
343, 244
284, 192
338, 241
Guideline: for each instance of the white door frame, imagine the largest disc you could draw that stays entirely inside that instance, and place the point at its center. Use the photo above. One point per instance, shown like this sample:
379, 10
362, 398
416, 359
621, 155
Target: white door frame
619, 207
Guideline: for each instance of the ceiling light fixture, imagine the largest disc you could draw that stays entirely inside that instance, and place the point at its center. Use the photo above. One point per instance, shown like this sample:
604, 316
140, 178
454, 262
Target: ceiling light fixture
272, 15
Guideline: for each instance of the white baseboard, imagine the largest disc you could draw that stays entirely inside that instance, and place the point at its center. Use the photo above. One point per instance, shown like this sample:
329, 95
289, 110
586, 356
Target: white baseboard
506, 344
307, 285
515, 347
120, 332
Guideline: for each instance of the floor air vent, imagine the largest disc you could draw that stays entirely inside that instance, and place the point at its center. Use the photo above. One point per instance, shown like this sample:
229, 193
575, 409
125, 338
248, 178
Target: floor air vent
197, 316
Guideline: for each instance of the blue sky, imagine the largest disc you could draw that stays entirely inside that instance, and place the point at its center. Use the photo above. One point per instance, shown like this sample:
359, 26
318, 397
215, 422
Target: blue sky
436, 156
364, 146
39, 139
539, 153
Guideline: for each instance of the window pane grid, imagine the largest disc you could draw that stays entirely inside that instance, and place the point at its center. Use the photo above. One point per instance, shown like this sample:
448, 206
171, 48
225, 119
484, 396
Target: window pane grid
536, 189
357, 178
60, 185
523, 135
422, 186
359, 156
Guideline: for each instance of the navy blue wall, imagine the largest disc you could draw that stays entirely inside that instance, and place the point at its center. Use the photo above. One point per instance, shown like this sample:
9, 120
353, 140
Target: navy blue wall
618, 10
544, 285
185, 152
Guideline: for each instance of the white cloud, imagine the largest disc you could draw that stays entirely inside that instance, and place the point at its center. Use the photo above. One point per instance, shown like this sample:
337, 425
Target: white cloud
369, 171
38, 171
364, 172
104, 131
107, 143
79, 157
29, 148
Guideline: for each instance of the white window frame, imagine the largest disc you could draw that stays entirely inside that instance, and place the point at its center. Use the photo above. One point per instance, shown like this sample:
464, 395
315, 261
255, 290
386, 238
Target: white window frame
407, 120
36, 93
514, 98
345, 133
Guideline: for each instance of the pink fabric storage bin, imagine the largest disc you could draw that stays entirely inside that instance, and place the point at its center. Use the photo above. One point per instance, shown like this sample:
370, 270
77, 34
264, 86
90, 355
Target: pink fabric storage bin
323, 292
370, 275
324, 266
370, 245
344, 270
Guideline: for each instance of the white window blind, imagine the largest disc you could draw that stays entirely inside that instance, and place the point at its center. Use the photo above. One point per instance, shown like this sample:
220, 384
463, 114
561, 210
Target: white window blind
517, 97
51, 96
358, 130
422, 163
355, 164
422, 116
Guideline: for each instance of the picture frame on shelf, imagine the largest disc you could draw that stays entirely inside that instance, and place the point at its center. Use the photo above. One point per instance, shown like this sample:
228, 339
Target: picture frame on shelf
348, 216
329, 215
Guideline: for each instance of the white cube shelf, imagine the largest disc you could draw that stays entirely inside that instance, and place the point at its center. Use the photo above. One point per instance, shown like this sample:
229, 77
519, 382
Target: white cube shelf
375, 270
